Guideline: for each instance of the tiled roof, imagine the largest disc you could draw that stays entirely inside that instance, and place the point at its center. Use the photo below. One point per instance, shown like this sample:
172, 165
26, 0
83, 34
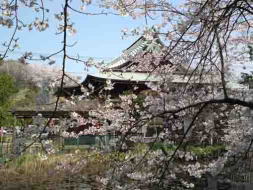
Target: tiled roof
140, 45
146, 77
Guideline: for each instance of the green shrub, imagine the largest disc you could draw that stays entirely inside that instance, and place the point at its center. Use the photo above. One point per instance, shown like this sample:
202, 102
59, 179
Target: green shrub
197, 150
206, 150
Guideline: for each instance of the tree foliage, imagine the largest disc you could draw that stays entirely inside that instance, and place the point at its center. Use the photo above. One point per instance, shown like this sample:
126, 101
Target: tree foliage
7, 89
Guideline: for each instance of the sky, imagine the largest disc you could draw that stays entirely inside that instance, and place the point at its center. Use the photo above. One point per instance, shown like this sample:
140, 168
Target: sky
99, 37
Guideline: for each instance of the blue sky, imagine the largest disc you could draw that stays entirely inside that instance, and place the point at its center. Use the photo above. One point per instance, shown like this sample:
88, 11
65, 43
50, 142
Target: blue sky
97, 36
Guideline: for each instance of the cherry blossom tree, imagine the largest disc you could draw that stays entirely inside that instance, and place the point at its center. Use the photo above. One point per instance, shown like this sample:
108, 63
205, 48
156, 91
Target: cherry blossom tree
208, 37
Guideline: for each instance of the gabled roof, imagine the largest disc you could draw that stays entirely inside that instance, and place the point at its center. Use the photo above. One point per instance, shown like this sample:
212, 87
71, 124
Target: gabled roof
141, 45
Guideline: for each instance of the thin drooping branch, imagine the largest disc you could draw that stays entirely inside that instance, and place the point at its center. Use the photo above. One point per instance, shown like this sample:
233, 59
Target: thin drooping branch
222, 73
92, 14
43, 10
77, 83
64, 50
171, 158
229, 101
14, 32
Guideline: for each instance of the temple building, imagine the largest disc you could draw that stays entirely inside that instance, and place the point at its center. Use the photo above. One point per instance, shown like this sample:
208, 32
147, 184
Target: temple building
125, 73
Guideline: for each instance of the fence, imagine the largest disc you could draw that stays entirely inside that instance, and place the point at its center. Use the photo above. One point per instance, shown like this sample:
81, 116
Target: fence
100, 141
82, 140
243, 170
5, 146
213, 183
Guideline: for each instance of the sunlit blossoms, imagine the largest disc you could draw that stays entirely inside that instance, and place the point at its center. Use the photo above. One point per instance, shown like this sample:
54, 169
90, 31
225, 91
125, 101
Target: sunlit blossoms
190, 122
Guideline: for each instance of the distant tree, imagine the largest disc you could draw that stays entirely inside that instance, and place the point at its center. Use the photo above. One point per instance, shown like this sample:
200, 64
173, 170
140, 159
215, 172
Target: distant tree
7, 89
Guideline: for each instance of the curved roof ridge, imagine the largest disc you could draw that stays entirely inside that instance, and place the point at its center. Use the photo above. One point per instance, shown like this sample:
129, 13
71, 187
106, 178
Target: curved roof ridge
139, 45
